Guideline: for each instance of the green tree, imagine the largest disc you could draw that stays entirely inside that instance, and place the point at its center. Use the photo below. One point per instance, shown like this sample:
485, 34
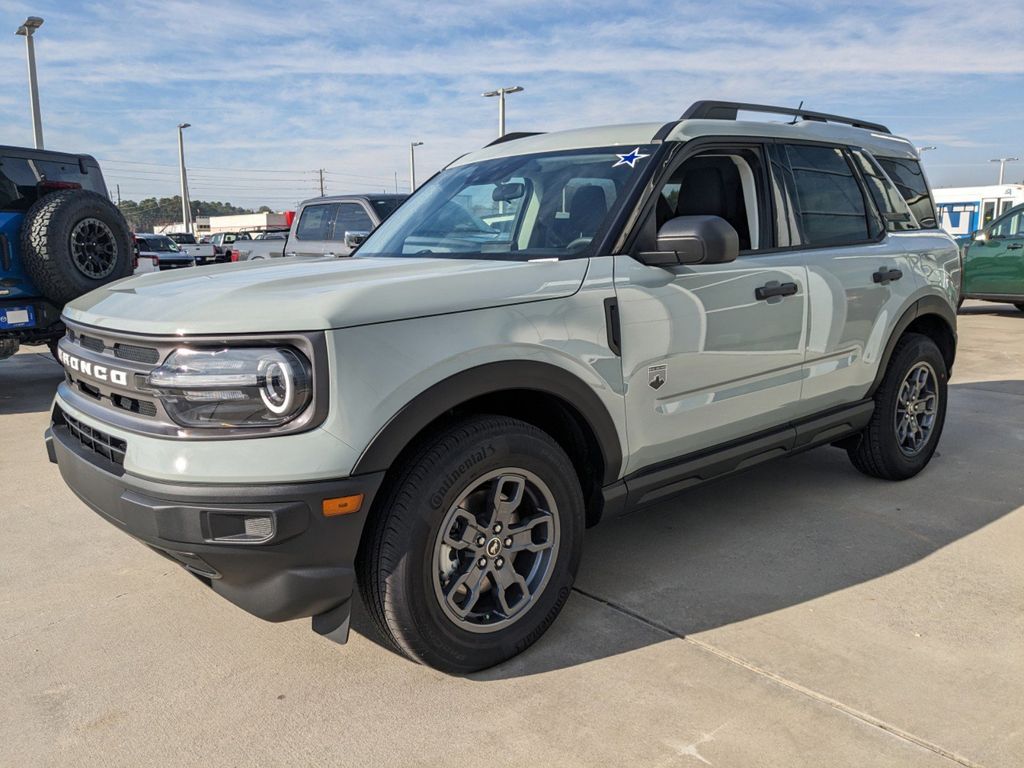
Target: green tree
151, 213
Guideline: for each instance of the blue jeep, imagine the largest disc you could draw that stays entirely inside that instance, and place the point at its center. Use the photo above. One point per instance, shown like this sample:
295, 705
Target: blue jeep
60, 237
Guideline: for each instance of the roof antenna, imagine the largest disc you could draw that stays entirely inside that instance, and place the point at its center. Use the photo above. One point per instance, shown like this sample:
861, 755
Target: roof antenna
797, 115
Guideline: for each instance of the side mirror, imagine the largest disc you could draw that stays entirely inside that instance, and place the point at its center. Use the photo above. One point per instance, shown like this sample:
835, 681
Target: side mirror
694, 240
979, 236
355, 239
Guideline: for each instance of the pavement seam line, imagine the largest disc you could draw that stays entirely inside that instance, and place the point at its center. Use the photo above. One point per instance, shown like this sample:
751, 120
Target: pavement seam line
810, 693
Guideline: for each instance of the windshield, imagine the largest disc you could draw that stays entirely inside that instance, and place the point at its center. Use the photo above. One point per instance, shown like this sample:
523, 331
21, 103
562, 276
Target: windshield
158, 244
183, 238
541, 206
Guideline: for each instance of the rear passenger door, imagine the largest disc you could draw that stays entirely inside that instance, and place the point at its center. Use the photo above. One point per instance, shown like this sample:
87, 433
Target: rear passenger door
312, 236
350, 218
856, 239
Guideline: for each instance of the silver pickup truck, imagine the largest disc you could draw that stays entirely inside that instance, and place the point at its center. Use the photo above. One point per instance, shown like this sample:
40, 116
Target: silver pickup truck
324, 226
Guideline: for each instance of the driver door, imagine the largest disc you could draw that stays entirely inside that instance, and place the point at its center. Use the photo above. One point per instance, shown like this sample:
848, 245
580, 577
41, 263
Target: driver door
705, 360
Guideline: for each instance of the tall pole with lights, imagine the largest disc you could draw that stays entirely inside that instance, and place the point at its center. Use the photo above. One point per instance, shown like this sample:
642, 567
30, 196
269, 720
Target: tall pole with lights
500, 93
1002, 165
32, 23
412, 164
186, 208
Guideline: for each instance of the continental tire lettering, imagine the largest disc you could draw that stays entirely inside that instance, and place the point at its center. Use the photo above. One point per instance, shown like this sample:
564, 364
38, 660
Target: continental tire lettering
452, 477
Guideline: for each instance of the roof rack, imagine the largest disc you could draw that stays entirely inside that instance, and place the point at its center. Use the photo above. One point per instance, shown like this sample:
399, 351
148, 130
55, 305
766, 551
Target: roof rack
513, 137
726, 110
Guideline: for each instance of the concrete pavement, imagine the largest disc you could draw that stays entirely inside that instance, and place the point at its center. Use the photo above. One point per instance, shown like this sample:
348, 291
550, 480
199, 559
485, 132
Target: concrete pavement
798, 614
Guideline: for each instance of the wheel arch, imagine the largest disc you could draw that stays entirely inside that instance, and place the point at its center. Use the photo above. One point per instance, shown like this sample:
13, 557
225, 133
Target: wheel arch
931, 316
544, 395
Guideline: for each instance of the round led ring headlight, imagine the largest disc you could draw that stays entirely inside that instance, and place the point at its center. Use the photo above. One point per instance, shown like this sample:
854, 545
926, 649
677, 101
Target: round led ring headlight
278, 392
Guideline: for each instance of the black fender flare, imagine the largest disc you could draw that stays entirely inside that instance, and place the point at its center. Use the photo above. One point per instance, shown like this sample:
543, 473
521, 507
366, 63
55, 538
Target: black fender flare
927, 305
487, 379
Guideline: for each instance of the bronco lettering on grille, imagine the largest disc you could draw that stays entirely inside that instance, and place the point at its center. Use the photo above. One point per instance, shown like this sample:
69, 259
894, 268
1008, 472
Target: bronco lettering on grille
94, 370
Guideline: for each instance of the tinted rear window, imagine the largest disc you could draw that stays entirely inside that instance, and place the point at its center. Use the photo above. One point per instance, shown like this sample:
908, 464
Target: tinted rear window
21, 179
831, 203
385, 208
908, 177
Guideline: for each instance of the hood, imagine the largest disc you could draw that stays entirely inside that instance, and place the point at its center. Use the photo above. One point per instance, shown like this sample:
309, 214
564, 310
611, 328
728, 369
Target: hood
315, 294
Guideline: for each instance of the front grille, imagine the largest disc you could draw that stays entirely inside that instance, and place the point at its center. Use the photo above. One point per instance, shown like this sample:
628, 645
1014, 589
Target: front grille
136, 354
133, 352
96, 345
110, 448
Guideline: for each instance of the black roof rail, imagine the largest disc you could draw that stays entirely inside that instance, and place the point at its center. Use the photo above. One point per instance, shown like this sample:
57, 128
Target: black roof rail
726, 110
513, 137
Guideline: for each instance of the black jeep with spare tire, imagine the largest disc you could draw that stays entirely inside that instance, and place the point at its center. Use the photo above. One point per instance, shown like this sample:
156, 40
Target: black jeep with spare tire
60, 237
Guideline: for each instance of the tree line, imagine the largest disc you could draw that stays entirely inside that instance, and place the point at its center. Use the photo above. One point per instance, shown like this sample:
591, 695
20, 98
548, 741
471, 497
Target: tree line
151, 213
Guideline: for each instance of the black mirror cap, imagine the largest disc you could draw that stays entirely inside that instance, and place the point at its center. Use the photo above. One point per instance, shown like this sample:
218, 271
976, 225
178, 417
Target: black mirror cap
694, 240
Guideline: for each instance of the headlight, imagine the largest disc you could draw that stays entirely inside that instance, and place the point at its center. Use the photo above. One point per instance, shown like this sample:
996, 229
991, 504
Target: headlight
233, 387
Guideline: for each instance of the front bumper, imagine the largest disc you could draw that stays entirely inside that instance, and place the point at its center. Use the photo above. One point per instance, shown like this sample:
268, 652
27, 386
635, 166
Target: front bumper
305, 567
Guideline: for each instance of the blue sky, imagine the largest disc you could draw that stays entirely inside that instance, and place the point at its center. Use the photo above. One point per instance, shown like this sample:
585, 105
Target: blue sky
276, 90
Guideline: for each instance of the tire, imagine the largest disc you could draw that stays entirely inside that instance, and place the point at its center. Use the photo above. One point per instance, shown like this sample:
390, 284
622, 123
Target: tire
405, 565
73, 242
880, 451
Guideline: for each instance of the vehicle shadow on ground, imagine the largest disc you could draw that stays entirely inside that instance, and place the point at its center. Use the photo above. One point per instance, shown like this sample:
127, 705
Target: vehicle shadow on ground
28, 382
991, 308
776, 536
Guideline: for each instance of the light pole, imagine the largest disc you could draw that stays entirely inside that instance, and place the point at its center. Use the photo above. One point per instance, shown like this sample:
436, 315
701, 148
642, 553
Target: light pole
186, 208
500, 93
922, 150
32, 23
1002, 165
412, 164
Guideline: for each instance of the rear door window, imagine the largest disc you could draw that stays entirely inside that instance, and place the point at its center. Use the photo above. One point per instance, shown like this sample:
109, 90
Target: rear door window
832, 209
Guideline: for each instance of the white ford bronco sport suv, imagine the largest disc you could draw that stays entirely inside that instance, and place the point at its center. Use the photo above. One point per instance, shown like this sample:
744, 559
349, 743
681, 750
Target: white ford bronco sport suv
555, 329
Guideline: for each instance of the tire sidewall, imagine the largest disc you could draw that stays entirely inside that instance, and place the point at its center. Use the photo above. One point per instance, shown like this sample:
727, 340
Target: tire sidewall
448, 479
917, 349
46, 243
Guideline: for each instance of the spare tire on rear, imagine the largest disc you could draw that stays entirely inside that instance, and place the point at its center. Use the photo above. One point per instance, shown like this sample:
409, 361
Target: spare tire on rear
73, 242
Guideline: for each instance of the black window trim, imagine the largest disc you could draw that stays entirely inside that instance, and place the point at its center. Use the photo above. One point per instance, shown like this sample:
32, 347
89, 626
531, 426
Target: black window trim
936, 215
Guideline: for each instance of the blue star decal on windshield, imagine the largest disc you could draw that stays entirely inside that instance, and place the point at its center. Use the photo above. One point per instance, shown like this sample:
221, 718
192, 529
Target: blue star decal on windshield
630, 158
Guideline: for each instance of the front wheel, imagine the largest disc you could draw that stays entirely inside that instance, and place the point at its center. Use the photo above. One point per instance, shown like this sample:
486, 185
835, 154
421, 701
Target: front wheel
910, 410
475, 549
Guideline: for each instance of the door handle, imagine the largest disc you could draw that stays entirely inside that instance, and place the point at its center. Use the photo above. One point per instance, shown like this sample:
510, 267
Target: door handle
885, 276
1014, 246
775, 288
290, 253
329, 254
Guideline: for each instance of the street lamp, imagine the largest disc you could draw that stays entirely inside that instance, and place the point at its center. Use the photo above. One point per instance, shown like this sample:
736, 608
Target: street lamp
922, 150
32, 23
186, 208
1002, 164
412, 164
500, 93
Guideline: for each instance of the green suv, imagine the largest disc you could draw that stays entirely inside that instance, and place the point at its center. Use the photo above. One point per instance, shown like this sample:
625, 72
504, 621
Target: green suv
554, 330
993, 263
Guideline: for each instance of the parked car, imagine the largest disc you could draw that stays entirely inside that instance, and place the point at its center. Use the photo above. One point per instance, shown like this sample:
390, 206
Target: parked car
334, 226
993, 268
60, 237
203, 253
156, 253
222, 242
441, 416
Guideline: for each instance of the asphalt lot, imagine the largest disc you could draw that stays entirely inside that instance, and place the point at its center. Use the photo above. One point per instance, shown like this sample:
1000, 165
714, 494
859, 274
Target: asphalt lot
799, 614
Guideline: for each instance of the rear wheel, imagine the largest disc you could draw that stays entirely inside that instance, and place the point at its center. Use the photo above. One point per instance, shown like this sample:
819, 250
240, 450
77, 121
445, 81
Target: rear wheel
910, 410
475, 550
